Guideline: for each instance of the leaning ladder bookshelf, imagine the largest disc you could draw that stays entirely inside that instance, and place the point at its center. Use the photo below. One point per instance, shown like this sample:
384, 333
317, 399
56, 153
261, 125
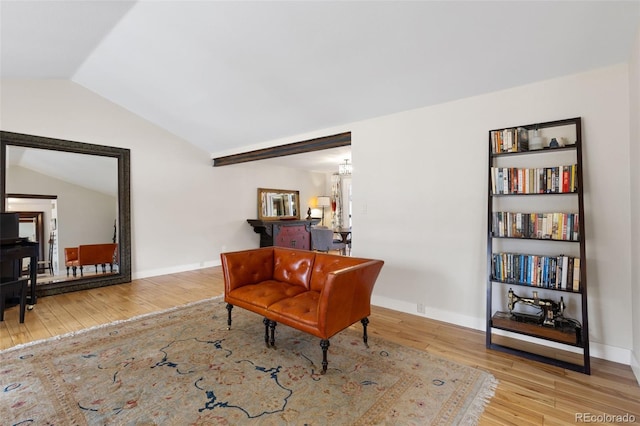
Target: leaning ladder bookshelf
536, 244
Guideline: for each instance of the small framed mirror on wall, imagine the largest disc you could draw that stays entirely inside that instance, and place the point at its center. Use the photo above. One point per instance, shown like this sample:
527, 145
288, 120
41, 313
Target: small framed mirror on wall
278, 204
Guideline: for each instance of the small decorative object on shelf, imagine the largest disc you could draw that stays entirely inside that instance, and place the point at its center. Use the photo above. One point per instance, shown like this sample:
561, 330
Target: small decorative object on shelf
554, 143
537, 243
537, 142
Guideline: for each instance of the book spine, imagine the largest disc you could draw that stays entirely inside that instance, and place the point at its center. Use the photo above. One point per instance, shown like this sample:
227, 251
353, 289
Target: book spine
576, 274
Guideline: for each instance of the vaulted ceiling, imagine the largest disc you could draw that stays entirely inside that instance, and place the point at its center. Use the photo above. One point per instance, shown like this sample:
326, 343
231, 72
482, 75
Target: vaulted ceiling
225, 75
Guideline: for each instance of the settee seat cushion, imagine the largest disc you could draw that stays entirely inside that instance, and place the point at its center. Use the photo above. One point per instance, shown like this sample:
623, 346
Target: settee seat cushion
265, 293
300, 309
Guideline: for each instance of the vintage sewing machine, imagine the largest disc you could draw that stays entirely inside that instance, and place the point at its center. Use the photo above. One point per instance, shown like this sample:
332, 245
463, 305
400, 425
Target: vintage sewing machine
551, 313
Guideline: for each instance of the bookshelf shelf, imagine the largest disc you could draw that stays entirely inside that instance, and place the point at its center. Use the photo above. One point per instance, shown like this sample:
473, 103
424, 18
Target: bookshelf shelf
536, 194
537, 151
554, 240
543, 276
567, 334
532, 287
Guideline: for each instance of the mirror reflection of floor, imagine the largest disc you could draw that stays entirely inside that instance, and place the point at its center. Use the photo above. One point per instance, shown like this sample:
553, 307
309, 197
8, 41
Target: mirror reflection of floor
62, 277
44, 279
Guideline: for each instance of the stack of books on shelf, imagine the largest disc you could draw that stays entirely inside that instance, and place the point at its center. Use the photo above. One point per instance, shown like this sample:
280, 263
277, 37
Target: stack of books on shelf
554, 226
555, 272
545, 180
509, 140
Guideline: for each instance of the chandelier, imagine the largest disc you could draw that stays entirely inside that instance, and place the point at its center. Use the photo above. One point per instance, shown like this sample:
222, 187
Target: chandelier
346, 168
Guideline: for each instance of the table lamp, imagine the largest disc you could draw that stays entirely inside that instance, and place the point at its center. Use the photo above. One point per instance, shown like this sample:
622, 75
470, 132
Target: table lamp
323, 201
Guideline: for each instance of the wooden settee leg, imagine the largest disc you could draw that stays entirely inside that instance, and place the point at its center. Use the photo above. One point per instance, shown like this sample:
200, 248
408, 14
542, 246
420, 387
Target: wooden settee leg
364, 322
229, 308
324, 344
270, 341
266, 322
272, 327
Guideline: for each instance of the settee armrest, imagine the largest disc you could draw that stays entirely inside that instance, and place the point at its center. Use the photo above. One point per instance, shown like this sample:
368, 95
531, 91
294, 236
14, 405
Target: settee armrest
346, 296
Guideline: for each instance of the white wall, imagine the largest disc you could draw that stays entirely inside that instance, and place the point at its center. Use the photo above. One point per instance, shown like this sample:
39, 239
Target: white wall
184, 212
634, 157
436, 248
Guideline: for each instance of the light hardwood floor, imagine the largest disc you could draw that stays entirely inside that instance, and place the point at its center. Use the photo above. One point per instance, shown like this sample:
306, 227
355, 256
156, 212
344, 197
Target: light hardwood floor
529, 393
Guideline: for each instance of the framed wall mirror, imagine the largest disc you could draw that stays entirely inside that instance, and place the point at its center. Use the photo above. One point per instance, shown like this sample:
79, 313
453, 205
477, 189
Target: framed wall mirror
278, 204
91, 184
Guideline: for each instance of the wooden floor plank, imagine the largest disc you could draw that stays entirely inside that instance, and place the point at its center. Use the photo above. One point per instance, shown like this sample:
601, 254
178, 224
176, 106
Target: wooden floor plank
529, 393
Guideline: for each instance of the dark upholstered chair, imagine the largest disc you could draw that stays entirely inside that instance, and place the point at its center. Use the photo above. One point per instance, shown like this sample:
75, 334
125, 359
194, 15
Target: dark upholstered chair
71, 259
322, 240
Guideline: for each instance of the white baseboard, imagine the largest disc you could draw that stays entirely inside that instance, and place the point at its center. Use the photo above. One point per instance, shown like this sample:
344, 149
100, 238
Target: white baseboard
596, 350
635, 366
431, 313
174, 269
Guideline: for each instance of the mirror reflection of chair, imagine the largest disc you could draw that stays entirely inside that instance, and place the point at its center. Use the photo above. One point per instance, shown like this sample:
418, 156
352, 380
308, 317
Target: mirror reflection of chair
322, 240
47, 265
71, 259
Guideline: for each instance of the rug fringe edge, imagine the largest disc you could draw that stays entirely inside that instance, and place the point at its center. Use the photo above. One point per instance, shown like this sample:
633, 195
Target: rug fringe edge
480, 402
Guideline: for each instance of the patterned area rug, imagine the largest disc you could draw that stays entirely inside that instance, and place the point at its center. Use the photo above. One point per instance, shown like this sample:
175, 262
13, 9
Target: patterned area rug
183, 366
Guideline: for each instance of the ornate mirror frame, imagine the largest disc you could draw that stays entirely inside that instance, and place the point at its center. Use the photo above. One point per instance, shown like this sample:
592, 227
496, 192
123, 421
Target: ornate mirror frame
122, 155
264, 194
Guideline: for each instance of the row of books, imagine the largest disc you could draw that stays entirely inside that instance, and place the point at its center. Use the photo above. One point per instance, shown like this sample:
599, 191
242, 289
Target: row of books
555, 272
509, 140
544, 180
555, 226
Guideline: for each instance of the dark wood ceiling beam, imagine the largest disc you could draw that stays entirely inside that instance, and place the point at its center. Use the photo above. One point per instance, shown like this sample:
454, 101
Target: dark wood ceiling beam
317, 144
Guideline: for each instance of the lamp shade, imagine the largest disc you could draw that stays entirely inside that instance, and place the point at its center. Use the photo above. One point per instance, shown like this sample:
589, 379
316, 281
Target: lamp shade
324, 201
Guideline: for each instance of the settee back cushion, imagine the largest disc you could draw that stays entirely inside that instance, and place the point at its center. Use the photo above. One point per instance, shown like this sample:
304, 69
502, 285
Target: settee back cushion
92, 254
293, 266
247, 267
326, 263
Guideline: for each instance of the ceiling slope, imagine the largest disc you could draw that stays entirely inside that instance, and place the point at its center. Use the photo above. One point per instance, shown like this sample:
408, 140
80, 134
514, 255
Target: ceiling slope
225, 75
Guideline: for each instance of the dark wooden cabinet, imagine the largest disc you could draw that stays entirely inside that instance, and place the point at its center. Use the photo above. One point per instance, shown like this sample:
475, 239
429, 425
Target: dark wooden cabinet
284, 233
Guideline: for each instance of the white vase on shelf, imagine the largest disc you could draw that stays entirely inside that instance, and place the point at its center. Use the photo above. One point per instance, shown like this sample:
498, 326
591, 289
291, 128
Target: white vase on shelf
537, 141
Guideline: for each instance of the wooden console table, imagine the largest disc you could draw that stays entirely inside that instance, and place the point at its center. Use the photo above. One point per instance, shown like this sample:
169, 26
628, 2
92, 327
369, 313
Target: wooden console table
284, 233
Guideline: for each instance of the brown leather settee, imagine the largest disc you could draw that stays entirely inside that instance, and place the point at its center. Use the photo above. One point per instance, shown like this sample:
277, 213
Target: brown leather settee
90, 254
318, 293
